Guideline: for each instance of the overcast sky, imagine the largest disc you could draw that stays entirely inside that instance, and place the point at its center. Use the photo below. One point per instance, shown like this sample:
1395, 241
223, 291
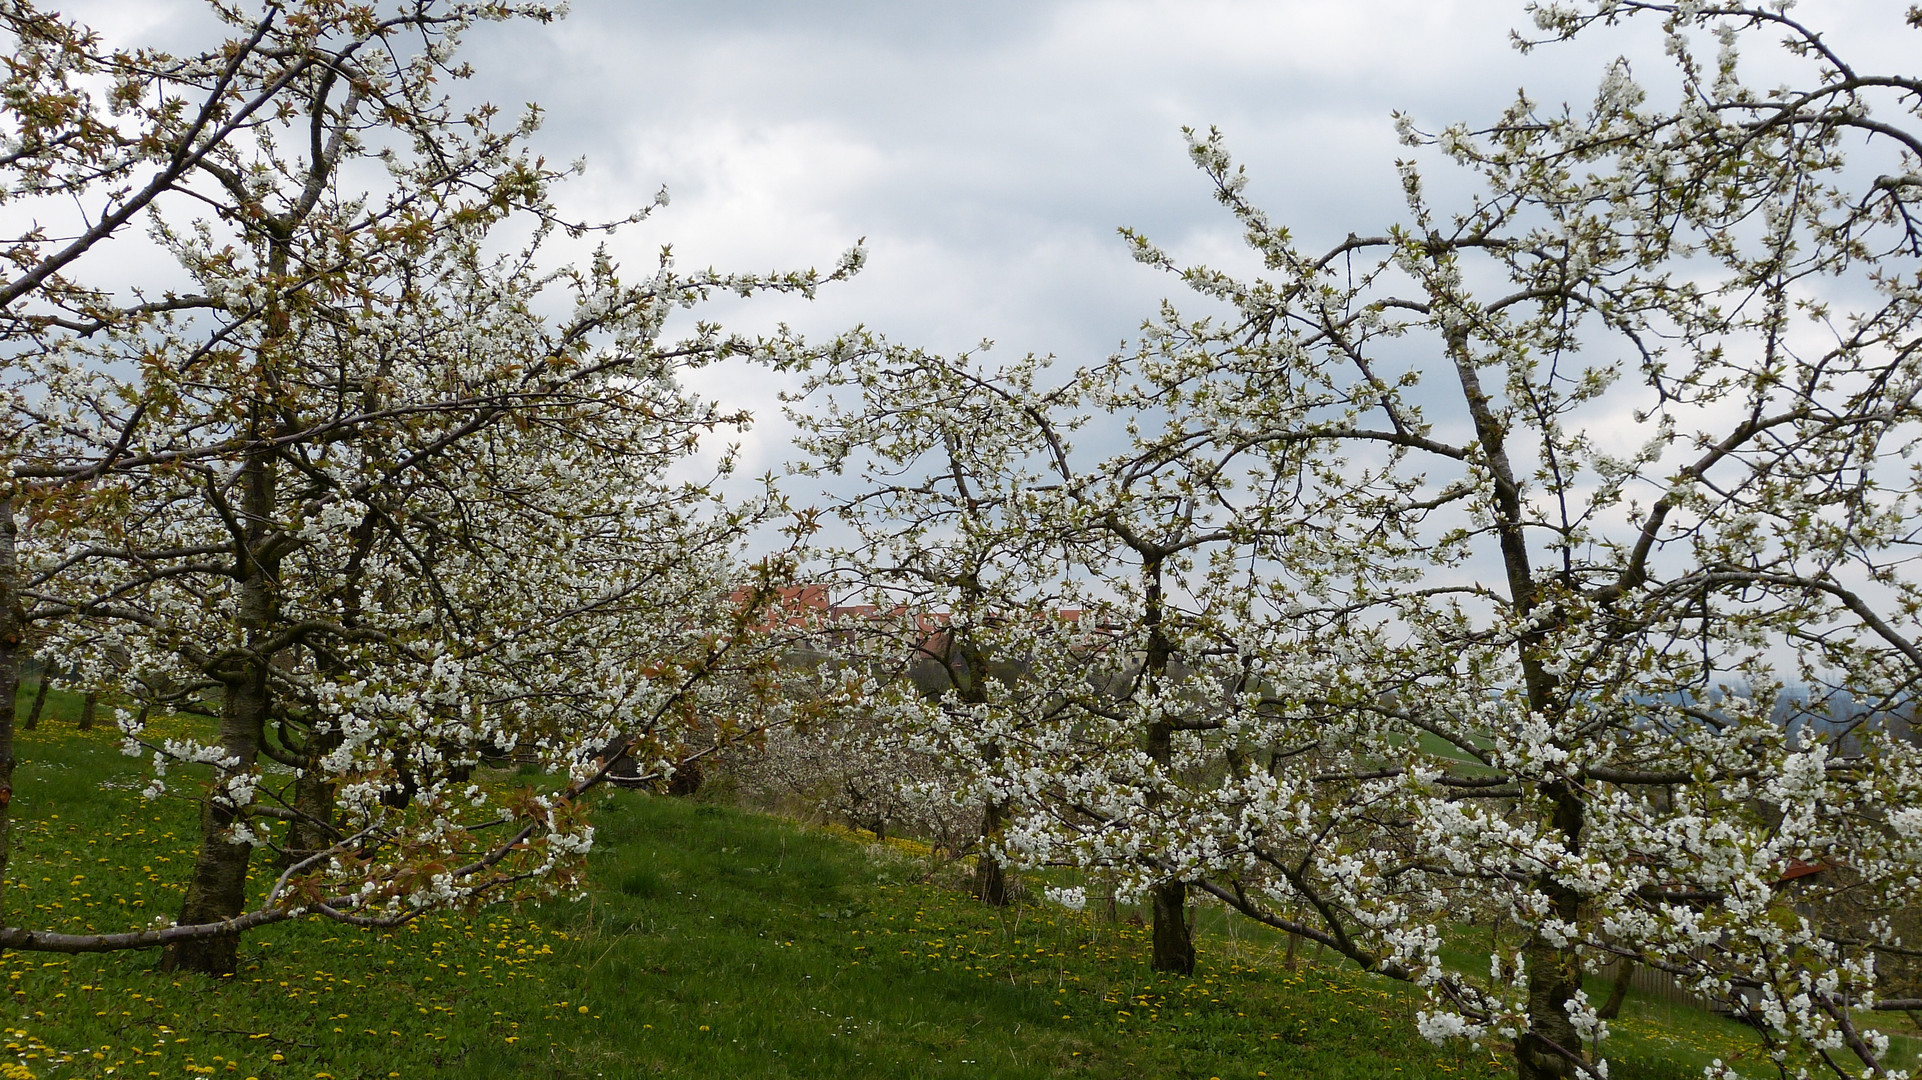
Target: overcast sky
987, 151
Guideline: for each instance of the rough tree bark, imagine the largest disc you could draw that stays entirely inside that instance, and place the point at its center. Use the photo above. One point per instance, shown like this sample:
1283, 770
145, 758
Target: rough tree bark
1548, 1049
40, 697
312, 828
990, 877
218, 888
1173, 946
1554, 971
1617, 993
1174, 939
13, 634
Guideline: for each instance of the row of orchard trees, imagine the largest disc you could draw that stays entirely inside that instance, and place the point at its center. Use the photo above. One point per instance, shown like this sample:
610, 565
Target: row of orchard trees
374, 483
1457, 568
1460, 568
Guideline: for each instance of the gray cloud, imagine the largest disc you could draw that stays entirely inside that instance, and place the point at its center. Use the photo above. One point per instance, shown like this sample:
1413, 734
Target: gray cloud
988, 150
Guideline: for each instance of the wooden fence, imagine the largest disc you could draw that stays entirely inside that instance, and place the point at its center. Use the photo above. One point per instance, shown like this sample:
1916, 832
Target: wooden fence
1652, 985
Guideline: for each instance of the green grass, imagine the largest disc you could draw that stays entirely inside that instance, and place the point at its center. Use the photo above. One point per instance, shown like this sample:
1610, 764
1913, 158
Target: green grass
713, 943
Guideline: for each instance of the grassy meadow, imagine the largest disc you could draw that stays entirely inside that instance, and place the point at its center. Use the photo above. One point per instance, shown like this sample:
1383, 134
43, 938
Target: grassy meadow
712, 943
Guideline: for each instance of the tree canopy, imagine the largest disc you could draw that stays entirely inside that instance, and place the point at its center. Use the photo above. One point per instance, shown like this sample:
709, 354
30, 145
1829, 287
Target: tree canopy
383, 486
1542, 559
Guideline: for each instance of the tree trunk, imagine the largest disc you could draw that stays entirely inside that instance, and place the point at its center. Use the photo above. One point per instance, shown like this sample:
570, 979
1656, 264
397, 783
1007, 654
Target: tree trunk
40, 697
1553, 977
89, 706
990, 877
1174, 940
218, 888
993, 885
1554, 971
316, 826
13, 634
312, 831
1624, 974
1174, 943
686, 781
